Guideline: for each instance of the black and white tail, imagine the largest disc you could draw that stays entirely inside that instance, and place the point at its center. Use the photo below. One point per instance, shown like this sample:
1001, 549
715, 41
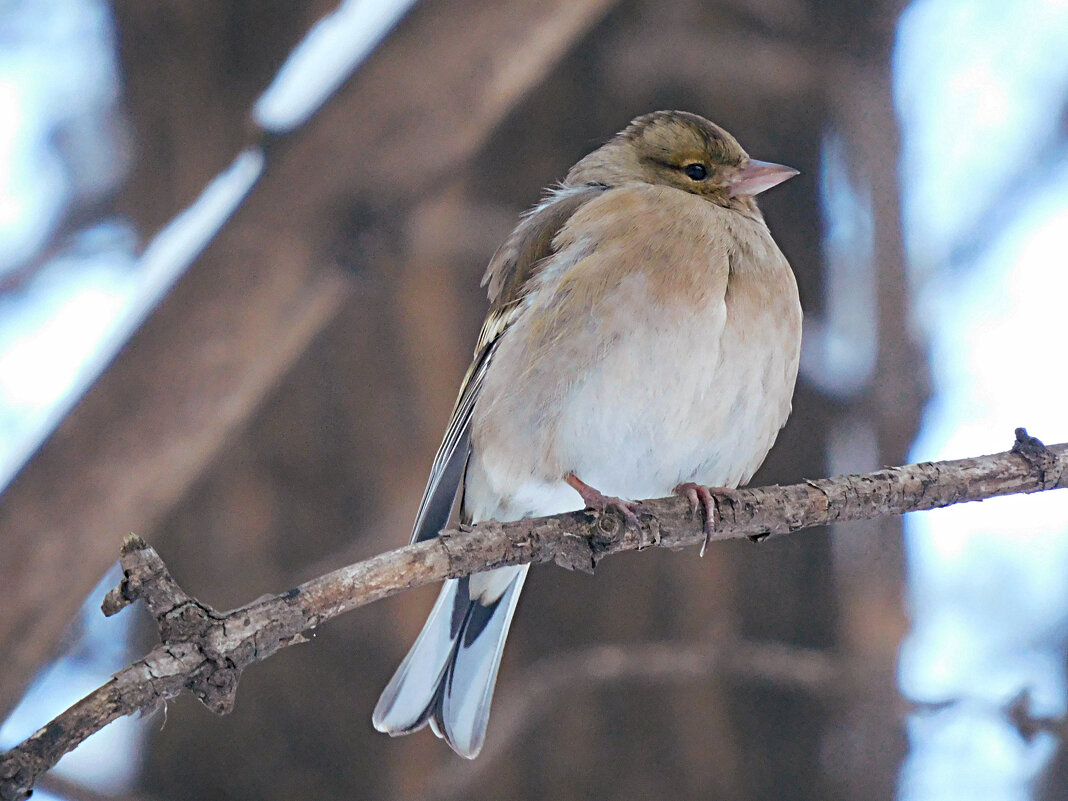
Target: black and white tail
447, 678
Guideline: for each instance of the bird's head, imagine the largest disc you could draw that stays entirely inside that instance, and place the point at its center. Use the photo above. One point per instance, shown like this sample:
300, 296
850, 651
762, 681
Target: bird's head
684, 151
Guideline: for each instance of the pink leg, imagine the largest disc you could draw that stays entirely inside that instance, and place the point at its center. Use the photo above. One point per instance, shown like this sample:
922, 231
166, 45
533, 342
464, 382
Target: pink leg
708, 499
597, 502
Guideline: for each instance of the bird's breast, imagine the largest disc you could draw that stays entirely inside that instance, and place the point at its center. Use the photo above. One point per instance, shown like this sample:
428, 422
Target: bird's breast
648, 361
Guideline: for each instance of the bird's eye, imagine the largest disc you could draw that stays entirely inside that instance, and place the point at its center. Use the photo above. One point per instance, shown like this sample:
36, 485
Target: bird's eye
696, 171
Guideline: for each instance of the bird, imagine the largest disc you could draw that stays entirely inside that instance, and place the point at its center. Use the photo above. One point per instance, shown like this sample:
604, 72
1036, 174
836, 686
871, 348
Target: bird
642, 339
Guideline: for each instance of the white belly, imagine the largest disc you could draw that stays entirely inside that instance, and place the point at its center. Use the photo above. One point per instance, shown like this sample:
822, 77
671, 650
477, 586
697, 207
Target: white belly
659, 398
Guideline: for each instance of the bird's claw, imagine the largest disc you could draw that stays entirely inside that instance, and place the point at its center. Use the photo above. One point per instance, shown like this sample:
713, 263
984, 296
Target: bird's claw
599, 503
631, 510
708, 499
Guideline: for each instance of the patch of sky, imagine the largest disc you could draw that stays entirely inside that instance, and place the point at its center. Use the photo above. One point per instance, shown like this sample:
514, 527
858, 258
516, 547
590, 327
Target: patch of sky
107, 762
51, 328
839, 347
981, 89
990, 580
58, 86
980, 85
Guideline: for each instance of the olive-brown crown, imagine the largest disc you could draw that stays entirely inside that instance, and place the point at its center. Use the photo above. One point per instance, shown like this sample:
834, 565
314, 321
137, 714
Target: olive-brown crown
669, 148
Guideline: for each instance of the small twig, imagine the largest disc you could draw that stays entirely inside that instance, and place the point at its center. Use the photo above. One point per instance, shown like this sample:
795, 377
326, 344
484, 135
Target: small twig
1027, 724
1017, 712
205, 651
1041, 458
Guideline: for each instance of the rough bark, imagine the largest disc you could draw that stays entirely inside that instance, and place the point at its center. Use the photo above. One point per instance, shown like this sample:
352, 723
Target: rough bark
205, 651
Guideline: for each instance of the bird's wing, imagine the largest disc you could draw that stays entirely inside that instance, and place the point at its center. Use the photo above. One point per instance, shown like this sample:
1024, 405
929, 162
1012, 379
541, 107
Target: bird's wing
523, 252
509, 274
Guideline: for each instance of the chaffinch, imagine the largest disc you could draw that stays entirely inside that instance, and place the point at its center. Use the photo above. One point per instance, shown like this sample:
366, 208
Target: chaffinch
643, 338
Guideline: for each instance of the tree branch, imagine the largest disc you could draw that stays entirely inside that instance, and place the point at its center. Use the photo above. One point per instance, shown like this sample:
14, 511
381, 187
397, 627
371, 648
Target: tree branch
205, 651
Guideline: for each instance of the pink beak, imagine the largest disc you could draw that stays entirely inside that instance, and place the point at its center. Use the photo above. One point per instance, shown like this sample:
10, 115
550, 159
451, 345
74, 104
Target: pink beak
758, 176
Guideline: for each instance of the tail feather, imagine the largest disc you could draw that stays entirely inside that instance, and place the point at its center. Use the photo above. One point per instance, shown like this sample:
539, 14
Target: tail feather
464, 709
447, 679
406, 703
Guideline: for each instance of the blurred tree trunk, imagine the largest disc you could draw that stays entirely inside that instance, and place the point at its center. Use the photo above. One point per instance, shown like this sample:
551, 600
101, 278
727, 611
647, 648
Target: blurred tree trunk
129, 447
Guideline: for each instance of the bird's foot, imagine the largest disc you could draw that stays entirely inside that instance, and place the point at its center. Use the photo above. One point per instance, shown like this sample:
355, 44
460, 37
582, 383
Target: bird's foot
598, 502
708, 498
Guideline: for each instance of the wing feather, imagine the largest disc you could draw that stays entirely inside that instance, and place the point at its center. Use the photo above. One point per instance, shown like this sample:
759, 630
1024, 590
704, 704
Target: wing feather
451, 458
508, 275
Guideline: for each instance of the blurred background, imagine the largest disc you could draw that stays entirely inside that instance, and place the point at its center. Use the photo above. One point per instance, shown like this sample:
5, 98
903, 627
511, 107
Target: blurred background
240, 248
